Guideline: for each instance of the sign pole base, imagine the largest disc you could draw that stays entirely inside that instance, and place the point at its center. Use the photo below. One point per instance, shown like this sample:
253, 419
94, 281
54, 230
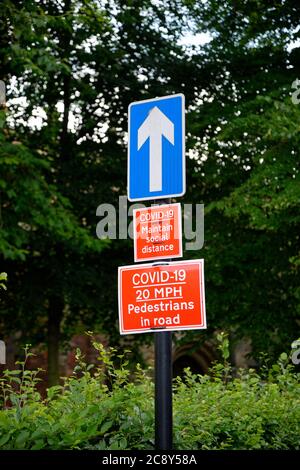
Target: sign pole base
163, 391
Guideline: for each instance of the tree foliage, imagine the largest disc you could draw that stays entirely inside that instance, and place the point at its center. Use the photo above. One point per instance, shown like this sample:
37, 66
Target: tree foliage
245, 147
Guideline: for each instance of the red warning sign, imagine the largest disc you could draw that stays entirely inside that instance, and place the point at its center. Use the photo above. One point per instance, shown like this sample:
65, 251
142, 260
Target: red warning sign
168, 296
157, 232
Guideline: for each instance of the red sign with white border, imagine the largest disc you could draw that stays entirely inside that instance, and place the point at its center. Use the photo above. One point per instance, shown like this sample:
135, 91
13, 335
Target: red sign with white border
157, 232
160, 297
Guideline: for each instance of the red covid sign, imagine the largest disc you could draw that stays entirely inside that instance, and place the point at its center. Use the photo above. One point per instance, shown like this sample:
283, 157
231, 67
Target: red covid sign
157, 232
163, 296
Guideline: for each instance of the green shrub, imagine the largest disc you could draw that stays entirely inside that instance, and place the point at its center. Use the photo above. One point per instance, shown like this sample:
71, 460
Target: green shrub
109, 407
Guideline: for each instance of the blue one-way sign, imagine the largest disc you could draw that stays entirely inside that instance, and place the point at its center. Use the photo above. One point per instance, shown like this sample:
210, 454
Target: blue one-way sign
156, 148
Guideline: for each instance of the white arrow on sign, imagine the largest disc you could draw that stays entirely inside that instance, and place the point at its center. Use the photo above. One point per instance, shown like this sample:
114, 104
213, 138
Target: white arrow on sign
154, 127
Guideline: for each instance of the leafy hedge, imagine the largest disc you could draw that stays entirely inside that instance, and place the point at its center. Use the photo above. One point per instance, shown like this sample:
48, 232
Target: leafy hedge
109, 407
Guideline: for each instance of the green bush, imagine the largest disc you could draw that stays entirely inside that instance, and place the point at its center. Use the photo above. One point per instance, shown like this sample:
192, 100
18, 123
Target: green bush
110, 407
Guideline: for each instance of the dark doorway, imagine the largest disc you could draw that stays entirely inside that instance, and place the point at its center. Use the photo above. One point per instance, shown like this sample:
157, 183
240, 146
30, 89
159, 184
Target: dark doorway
186, 361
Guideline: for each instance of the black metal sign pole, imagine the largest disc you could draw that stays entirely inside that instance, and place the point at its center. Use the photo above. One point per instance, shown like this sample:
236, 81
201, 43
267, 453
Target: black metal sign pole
163, 390
163, 385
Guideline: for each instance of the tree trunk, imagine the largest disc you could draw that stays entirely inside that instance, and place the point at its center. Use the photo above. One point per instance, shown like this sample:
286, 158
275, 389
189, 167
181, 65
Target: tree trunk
54, 319
56, 303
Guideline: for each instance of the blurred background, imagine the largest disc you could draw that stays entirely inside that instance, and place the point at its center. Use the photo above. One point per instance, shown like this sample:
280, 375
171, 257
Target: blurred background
70, 68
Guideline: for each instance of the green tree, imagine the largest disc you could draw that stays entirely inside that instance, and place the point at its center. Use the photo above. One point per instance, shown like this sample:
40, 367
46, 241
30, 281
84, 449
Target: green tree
72, 68
245, 148
76, 65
